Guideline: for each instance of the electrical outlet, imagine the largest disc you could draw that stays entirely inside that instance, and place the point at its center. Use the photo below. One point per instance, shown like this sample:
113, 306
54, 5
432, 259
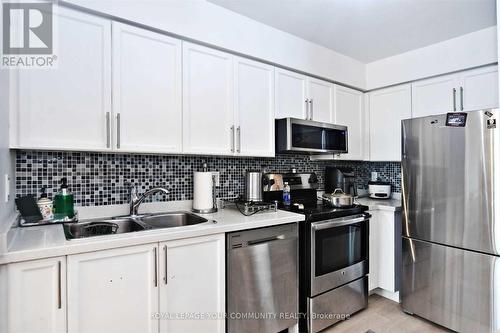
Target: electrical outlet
7, 187
216, 176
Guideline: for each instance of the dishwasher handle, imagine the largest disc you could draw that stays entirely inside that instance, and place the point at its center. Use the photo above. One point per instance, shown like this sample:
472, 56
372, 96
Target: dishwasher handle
265, 240
261, 236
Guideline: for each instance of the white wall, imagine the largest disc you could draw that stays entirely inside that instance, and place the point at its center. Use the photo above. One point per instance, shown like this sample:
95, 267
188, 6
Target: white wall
467, 51
209, 23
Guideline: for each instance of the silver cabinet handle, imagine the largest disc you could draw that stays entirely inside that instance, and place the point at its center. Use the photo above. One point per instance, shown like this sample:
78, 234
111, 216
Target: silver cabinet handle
156, 266
238, 132
232, 139
312, 108
108, 126
118, 130
307, 108
166, 266
461, 98
59, 278
454, 99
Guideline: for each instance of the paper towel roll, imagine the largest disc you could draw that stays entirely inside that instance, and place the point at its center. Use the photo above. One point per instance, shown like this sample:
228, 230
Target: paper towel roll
203, 191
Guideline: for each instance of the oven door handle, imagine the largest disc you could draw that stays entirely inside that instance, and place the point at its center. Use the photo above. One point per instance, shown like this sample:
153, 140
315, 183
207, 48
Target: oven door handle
339, 222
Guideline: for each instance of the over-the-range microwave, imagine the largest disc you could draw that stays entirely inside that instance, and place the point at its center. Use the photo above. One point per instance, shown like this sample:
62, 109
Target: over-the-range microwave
297, 135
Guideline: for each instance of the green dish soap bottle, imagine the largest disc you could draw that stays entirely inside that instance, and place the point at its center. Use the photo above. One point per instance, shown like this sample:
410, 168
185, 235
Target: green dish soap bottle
64, 206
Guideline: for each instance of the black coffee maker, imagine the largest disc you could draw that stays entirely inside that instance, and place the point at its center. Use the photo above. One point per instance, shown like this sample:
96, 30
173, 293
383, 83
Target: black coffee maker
343, 178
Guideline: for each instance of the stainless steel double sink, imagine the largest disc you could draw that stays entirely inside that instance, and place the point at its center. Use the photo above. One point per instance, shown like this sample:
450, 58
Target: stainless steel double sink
125, 224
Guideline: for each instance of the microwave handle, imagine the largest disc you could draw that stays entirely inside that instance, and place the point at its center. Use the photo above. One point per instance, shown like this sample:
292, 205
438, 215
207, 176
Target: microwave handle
339, 222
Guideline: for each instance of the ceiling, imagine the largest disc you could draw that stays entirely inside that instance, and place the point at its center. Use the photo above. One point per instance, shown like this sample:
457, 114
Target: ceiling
368, 30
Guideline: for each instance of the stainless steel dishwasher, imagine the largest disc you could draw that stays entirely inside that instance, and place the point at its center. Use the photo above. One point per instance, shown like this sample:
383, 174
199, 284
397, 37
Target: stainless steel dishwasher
262, 275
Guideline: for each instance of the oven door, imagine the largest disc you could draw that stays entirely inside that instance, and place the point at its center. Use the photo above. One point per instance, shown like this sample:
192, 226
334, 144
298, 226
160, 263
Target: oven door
339, 252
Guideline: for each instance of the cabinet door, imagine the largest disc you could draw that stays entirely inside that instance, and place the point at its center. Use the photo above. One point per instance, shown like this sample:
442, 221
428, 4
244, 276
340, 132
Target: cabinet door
35, 296
254, 107
349, 111
386, 263
66, 107
321, 100
208, 101
387, 108
434, 96
113, 290
193, 281
479, 89
290, 94
374, 250
147, 90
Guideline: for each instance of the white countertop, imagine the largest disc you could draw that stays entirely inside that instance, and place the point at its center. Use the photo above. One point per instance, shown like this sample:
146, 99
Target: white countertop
381, 204
49, 241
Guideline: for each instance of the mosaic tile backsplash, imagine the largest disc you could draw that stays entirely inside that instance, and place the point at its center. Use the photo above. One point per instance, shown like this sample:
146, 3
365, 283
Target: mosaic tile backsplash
101, 179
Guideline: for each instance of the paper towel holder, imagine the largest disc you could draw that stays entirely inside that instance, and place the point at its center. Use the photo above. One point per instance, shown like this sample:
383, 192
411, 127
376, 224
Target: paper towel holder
214, 194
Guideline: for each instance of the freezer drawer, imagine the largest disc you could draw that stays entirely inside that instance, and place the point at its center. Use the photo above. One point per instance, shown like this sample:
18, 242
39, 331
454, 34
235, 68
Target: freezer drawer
328, 308
454, 288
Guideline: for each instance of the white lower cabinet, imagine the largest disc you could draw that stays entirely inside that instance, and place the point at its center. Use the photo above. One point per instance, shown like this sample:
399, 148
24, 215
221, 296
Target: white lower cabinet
33, 296
385, 252
172, 287
113, 291
193, 284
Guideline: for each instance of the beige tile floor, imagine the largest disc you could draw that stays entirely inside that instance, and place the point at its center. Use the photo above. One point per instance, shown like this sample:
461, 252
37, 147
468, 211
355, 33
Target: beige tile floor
384, 316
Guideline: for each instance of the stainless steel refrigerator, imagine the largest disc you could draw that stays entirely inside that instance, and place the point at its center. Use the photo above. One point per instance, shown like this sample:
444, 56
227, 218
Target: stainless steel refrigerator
451, 220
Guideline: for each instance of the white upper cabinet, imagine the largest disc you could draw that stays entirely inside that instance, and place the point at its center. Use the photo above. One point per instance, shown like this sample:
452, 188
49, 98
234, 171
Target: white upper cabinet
35, 298
464, 91
193, 281
291, 94
479, 89
387, 107
303, 97
66, 107
349, 111
208, 119
254, 107
113, 291
321, 100
147, 91
434, 96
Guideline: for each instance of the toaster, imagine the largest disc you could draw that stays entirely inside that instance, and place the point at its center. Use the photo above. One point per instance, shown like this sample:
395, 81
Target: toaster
379, 189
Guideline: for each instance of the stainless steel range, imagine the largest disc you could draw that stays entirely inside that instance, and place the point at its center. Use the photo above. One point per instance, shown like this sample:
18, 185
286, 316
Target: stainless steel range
333, 252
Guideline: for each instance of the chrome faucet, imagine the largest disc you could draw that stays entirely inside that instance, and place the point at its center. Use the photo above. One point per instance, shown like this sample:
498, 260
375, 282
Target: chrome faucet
135, 200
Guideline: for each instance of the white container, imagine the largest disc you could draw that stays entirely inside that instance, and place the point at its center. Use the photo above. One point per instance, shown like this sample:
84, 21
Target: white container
46, 207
